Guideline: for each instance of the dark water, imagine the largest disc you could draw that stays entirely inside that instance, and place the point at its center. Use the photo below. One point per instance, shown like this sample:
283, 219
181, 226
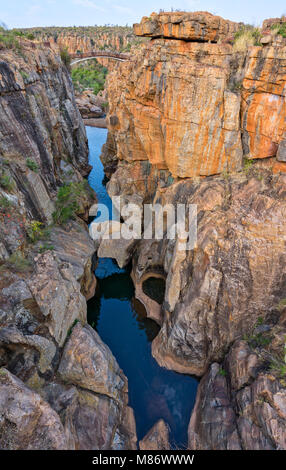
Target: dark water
155, 289
120, 320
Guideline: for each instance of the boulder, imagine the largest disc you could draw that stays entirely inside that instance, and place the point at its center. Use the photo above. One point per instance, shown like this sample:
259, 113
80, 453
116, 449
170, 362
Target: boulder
91, 421
57, 294
157, 438
87, 362
243, 365
27, 422
111, 244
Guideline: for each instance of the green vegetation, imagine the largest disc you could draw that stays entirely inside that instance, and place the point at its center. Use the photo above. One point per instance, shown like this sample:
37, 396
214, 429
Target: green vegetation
279, 29
258, 340
69, 199
222, 372
278, 367
10, 38
89, 75
24, 74
17, 262
246, 37
32, 165
5, 204
37, 231
65, 57
282, 305
46, 247
248, 164
6, 181
72, 327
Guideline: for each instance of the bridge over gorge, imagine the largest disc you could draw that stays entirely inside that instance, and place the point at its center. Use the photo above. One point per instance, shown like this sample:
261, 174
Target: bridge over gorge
80, 56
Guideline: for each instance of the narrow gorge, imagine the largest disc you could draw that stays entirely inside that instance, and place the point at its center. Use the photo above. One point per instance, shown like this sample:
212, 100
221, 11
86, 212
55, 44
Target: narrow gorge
126, 344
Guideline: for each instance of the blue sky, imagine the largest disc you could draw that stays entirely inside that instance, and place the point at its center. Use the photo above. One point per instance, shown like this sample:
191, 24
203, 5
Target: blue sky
27, 13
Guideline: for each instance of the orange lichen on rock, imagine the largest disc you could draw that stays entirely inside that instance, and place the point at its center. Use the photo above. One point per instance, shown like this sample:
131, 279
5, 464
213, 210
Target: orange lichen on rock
195, 108
174, 108
263, 103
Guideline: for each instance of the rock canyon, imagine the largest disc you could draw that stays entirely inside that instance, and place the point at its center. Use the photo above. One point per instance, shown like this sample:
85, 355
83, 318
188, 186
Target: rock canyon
192, 119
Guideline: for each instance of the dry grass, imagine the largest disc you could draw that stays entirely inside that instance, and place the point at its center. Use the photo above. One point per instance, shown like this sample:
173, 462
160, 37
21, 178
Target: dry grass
246, 38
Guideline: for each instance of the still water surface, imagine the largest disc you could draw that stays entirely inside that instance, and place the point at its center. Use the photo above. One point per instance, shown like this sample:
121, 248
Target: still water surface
120, 320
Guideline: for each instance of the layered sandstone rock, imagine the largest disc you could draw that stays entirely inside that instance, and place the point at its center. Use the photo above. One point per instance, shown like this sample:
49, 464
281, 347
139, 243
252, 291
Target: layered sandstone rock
88, 363
199, 26
173, 107
263, 105
89, 105
182, 110
180, 107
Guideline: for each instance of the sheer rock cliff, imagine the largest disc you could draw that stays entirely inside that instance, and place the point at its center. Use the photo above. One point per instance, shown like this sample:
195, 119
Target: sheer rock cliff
193, 121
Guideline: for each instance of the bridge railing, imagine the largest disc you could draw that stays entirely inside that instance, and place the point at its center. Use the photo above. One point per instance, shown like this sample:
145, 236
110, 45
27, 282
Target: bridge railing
86, 55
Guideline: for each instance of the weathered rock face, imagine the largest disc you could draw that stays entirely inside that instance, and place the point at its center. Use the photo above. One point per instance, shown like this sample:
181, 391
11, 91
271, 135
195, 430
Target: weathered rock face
61, 306
44, 284
88, 363
157, 438
27, 422
97, 415
85, 39
42, 139
179, 107
235, 274
199, 26
239, 406
89, 105
263, 103
176, 111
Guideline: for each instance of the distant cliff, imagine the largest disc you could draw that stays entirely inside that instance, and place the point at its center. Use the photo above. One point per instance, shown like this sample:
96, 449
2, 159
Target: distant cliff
85, 39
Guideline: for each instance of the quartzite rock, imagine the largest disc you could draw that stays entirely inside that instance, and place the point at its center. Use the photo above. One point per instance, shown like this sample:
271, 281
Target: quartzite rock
89, 363
27, 422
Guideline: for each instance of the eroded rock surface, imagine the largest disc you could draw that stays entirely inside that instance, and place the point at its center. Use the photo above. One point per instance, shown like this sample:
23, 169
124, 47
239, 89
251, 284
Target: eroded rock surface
27, 422
88, 363
239, 405
157, 438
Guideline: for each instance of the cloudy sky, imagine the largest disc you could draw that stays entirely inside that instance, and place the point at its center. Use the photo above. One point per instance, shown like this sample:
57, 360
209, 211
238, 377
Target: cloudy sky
27, 13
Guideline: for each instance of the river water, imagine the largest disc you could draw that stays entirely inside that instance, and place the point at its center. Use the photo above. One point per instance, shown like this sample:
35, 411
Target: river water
120, 320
